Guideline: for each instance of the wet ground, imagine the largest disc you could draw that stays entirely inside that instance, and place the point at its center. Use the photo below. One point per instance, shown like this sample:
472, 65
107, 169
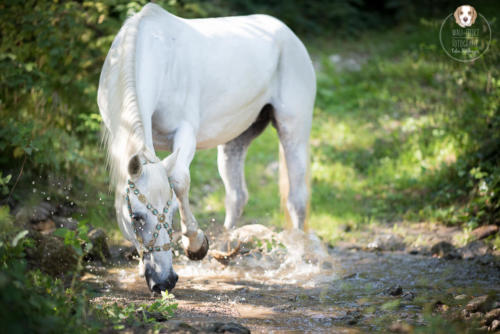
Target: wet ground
291, 282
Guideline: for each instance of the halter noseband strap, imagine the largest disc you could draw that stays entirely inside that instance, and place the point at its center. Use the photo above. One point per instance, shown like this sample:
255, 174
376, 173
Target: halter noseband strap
150, 247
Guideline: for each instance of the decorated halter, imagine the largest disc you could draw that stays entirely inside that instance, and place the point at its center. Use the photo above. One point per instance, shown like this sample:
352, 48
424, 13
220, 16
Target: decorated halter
160, 216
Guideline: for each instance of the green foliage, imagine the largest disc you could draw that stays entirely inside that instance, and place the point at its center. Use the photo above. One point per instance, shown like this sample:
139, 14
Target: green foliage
4, 181
139, 315
39, 303
35, 302
76, 239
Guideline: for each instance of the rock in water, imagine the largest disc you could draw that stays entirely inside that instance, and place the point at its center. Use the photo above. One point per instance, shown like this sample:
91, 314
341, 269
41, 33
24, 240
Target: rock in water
45, 227
386, 243
40, 212
229, 327
495, 325
481, 304
51, 255
474, 249
491, 316
63, 222
176, 326
445, 250
394, 290
100, 250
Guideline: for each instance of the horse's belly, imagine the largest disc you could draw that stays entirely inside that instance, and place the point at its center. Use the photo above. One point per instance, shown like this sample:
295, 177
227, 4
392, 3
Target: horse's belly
224, 127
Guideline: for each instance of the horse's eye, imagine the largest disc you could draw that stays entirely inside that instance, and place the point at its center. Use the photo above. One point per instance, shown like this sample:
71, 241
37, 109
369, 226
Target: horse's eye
138, 218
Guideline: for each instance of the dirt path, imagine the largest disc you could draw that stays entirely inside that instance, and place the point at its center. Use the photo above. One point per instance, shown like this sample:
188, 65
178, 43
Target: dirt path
275, 287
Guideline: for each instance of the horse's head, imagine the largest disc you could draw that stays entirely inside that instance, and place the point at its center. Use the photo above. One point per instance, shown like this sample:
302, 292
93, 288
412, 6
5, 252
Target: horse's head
148, 212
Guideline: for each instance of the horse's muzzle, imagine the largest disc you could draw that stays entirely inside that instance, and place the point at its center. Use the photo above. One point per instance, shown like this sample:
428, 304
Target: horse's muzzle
157, 285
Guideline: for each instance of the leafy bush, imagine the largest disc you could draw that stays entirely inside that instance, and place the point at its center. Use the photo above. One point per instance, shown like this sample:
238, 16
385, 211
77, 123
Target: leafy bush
34, 302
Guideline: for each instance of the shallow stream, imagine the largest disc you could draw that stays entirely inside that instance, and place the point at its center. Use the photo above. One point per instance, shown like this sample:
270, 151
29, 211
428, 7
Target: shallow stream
291, 282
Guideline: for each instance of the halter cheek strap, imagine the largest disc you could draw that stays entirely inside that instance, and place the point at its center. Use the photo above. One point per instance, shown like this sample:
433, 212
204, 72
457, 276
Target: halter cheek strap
160, 216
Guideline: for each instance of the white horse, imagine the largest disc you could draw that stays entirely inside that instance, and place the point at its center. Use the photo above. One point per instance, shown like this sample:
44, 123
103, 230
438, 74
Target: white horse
180, 85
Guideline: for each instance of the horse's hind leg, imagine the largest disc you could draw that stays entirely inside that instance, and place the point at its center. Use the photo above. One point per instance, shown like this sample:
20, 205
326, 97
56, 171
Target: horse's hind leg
293, 108
294, 174
231, 163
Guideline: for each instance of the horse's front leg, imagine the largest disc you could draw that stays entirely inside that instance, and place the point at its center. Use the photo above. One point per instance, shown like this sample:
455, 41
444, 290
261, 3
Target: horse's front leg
194, 240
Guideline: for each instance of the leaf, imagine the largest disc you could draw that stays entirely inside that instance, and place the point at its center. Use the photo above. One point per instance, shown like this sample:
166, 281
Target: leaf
18, 237
61, 232
28, 150
18, 152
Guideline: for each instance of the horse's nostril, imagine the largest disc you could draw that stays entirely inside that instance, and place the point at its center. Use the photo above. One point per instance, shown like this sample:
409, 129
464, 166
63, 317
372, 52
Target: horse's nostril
158, 288
168, 285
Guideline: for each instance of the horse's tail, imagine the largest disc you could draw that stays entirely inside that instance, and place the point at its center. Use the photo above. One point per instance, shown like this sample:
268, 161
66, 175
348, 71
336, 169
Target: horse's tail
285, 188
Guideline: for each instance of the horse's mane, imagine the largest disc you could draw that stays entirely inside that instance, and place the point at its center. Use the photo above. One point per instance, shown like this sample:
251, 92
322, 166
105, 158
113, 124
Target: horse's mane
123, 133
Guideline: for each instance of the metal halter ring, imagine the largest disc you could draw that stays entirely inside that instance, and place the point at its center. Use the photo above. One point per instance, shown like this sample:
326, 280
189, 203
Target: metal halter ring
160, 216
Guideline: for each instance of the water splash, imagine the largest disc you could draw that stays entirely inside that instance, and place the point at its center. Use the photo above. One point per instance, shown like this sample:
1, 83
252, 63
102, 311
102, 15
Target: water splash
288, 257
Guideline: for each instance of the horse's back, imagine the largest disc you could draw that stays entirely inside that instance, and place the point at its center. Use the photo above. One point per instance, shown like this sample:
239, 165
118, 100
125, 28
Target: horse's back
228, 68
246, 70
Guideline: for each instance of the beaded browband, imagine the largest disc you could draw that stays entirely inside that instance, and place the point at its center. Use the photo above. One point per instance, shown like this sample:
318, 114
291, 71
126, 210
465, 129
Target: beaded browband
160, 216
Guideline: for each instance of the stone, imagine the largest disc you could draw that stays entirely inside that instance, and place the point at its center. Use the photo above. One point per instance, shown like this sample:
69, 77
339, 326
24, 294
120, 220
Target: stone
444, 250
45, 226
408, 295
251, 232
65, 209
400, 327
461, 297
474, 249
396, 290
100, 250
63, 222
41, 212
495, 325
176, 326
476, 316
51, 255
484, 231
481, 303
386, 243
229, 327
492, 315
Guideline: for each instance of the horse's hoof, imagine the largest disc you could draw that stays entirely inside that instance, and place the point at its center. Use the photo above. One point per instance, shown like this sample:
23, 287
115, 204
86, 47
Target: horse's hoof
199, 254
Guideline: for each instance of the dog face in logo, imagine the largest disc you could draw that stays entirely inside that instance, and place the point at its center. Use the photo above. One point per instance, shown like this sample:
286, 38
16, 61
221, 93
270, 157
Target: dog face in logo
465, 16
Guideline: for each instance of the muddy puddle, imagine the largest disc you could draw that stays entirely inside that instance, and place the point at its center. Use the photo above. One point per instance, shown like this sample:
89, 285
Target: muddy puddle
291, 282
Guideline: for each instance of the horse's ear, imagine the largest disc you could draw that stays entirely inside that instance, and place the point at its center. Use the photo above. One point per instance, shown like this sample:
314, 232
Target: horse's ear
135, 167
169, 162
